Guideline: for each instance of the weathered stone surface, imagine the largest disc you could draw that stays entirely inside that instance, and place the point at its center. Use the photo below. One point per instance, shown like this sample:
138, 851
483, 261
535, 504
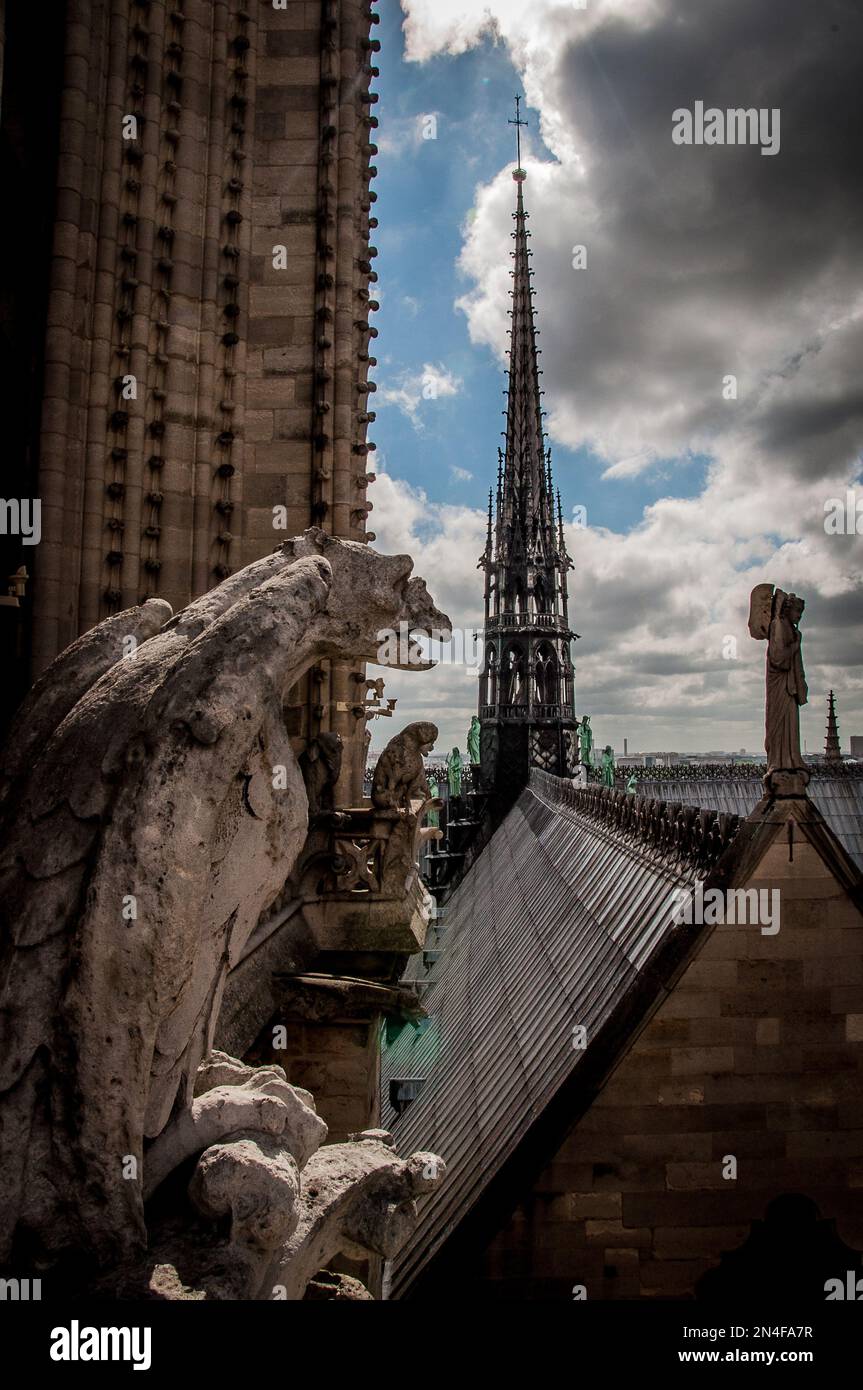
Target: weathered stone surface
336, 1288
149, 834
70, 675
775, 616
399, 772
321, 764
282, 160
286, 1219
257, 1182
319, 998
357, 1198
264, 1102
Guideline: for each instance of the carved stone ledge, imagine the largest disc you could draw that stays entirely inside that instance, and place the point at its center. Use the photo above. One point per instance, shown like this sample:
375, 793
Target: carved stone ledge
316, 998
359, 883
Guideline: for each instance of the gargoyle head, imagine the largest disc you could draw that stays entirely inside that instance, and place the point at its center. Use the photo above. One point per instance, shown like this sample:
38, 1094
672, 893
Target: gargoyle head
372, 595
423, 735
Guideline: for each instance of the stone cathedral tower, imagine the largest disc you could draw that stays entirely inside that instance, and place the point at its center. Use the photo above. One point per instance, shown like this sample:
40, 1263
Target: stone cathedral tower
185, 303
526, 700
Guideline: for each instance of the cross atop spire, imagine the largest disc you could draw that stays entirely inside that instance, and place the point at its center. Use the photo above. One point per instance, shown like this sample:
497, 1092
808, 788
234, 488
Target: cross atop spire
518, 123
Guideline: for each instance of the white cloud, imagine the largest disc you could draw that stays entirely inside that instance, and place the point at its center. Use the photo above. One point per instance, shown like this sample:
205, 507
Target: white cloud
654, 608
635, 353
406, 135
451, 26
413, 389
446, 542
701, 263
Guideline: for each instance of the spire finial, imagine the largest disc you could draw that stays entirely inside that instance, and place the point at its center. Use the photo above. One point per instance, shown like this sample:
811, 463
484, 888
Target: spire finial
519, 174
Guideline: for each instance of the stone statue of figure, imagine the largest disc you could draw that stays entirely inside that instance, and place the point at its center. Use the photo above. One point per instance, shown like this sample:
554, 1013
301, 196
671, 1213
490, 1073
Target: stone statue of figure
631, 784
321, 765
473, 739
453, 771
433, 817
512, 678
586, 738
608, 766
775, 616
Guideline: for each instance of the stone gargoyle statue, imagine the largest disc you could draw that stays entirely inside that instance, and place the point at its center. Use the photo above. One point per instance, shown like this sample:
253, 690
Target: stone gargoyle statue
399, 775
151, 808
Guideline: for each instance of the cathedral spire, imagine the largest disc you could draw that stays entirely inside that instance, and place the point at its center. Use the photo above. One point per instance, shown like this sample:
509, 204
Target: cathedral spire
832, 750
526, 697
528, 505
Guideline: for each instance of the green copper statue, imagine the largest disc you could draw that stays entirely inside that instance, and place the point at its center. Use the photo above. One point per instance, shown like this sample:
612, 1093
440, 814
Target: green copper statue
433, 817
453, 771
631, 784
473, 739
586, 737
608, 766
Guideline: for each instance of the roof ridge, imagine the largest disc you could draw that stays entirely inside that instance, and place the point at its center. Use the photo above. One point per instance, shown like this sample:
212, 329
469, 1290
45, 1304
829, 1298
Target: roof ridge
672, 834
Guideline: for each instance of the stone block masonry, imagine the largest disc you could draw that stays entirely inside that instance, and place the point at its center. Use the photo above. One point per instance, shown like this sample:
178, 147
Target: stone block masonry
207, 324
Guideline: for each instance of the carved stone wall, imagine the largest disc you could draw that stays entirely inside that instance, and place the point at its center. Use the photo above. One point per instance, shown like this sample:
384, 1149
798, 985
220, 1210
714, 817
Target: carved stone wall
207, 323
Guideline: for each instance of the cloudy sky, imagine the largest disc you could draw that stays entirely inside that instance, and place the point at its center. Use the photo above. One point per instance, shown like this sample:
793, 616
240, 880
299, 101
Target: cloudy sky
702, 262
